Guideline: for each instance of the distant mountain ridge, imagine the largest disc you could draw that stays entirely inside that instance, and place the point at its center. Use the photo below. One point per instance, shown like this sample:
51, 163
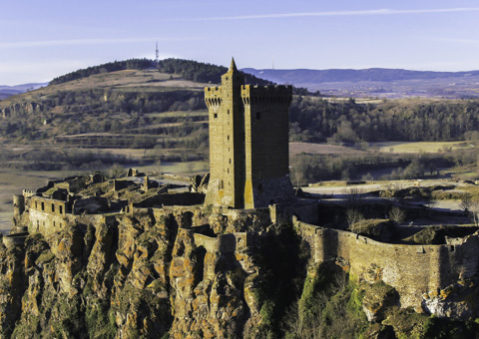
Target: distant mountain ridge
377, 82
339, 75
7, 91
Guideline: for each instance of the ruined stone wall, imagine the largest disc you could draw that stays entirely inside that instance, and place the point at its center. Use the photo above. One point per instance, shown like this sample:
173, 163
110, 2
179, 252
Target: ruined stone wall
46, 215
45, 223
18, 206
46, 205
49, 216
412, 270
224, 243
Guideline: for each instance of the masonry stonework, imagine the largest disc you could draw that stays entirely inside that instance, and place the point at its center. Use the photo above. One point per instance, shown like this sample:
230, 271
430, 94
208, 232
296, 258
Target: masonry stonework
413, 270
248, 128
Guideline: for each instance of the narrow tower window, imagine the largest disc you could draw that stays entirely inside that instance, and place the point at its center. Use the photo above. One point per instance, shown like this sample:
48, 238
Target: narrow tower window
258, 115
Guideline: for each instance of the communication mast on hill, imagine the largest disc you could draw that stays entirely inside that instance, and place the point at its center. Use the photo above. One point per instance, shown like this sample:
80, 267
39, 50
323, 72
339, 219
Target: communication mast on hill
157, 53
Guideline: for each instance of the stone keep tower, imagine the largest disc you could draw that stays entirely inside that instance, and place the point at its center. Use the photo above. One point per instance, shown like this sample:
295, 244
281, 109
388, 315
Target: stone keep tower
248, 129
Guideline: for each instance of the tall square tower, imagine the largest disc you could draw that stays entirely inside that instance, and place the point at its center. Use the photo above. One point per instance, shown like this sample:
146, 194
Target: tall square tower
248, 130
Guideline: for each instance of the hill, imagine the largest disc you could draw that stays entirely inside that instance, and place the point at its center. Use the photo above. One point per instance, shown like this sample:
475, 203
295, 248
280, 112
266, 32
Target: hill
137, 105
132, 104
377, 82
188, 69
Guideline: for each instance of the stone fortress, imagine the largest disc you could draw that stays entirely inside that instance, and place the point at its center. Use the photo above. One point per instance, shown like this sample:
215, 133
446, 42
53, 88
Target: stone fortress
248, 128
249, 183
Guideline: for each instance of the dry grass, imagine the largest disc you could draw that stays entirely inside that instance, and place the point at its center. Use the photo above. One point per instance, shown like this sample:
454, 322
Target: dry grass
178, 114
146, 80
357, 100
185, 168
420, 147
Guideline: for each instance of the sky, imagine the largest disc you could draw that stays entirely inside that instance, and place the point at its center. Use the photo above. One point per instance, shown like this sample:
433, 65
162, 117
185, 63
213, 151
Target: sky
40, 40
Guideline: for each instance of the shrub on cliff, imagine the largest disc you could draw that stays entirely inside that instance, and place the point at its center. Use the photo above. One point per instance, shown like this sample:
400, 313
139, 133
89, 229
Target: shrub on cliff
378, 229
330, 307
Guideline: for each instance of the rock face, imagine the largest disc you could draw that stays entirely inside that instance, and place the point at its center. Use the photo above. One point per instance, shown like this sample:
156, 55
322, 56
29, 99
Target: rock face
192, 272
130, 275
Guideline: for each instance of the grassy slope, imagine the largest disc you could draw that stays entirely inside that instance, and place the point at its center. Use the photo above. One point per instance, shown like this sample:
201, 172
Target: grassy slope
120, 104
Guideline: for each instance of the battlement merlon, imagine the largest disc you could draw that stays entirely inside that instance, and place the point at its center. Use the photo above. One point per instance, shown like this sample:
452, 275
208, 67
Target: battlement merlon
213, 96
213, 92
279, 93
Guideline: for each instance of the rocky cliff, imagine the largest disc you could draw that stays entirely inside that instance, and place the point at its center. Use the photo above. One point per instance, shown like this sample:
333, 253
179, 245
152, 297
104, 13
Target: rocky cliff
150, 274
129, 276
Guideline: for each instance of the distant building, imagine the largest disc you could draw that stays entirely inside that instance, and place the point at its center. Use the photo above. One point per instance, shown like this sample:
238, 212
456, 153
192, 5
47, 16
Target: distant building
248, 128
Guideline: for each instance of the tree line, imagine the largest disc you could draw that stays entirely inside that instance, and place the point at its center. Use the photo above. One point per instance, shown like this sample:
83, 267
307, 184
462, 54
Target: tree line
104, 68
187, 69
316, 120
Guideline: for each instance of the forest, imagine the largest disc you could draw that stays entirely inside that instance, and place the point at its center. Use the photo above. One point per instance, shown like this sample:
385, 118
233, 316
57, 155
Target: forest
311, 118
316, 120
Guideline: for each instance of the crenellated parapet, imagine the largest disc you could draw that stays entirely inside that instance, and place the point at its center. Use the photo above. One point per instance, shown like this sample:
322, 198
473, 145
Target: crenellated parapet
213, 95
28, 193
279, 94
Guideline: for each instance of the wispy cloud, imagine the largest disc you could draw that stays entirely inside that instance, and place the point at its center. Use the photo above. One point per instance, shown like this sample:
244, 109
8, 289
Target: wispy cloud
81, 42
383, 11
456, 40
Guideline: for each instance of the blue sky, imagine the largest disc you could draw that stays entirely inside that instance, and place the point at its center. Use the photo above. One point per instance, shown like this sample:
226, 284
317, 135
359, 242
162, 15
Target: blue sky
43, 39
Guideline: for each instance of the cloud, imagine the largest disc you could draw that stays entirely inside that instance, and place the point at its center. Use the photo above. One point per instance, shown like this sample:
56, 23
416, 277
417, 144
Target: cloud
81, 42
384, 11
457, 40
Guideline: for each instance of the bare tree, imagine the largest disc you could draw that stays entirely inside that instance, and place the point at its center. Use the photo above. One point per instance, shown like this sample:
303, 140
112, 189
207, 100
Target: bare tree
397, 215
353, 216
353, 196
466, 201
474, 209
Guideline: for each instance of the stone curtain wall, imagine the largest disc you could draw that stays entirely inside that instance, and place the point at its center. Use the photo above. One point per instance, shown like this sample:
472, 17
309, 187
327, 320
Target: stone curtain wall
411, 269
46, 215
